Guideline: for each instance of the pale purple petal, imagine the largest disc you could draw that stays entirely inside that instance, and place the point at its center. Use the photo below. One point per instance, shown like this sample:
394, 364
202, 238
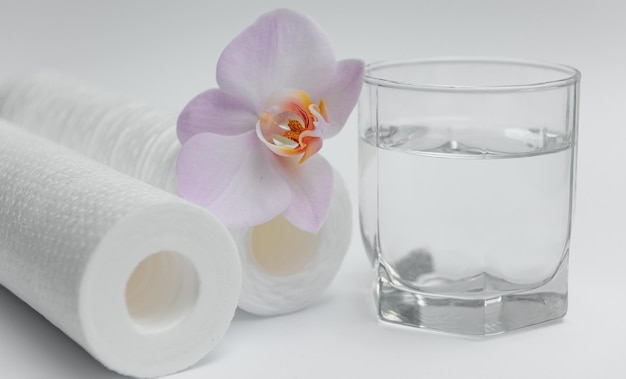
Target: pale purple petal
282, 49
342, 94
215, 111
235, 177
311, 187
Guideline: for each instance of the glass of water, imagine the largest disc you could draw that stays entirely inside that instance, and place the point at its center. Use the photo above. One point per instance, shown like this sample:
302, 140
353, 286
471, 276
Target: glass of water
467, 171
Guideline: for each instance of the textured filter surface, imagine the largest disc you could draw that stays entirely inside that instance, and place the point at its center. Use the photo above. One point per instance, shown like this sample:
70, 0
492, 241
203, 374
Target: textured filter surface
284, 269
146, 282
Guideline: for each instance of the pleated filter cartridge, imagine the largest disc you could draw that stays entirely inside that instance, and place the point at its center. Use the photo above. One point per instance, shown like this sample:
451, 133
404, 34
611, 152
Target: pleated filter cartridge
147, 283
284, 269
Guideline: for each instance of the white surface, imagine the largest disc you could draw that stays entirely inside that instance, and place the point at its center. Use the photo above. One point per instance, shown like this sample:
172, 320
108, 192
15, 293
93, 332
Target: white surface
166, 52
72, 233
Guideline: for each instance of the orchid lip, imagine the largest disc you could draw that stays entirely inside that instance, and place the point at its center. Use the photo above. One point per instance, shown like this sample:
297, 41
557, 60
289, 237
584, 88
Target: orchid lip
291, 124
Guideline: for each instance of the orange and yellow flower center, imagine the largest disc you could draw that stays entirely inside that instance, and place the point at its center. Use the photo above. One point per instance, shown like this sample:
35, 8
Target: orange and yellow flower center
295, 129
291, 124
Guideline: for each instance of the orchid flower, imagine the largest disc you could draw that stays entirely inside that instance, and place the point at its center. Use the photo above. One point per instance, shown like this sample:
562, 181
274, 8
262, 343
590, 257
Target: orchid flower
249, 146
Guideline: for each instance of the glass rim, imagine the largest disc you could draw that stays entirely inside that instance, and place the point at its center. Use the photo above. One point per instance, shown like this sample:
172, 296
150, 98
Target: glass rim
572, 74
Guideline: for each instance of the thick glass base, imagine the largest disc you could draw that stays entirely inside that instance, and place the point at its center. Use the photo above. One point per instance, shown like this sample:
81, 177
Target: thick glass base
491, 313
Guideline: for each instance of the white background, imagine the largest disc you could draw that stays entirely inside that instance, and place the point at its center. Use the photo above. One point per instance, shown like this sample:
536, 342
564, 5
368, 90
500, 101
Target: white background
166, 52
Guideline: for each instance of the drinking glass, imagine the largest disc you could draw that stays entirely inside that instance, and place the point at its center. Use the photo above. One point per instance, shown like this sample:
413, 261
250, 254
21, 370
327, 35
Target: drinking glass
467, 172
